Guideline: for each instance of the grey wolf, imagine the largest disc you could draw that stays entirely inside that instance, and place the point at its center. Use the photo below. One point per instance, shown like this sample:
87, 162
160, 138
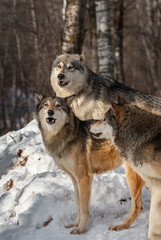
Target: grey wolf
136, 134
90, 94
81, 156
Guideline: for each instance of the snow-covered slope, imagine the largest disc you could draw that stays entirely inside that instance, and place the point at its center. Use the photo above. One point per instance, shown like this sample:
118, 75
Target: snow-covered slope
37, 199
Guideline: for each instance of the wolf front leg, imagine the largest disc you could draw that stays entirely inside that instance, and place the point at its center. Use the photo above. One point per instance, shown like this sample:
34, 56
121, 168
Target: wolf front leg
135, 184
85, 185
155, 215
76, 188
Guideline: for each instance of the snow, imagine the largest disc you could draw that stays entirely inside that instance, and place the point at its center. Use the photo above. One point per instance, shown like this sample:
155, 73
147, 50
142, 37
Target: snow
37, 199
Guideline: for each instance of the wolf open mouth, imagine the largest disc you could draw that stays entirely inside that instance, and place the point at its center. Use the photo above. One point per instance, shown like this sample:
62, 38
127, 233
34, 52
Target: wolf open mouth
61, 83
50, 120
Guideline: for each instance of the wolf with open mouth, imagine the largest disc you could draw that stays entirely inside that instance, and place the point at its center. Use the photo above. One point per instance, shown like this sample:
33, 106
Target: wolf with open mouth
90, 94
81, 156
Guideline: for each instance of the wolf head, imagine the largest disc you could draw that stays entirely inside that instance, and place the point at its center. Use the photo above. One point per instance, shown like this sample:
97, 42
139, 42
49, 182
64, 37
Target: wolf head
68, 75
52, 113
109, 126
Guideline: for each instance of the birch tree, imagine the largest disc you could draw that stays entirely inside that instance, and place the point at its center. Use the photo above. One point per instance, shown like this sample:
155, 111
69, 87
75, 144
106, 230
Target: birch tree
104, 41
74, 26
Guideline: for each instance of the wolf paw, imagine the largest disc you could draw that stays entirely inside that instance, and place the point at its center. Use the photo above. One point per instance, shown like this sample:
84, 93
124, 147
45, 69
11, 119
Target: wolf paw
72, 225
118, 227
77, 231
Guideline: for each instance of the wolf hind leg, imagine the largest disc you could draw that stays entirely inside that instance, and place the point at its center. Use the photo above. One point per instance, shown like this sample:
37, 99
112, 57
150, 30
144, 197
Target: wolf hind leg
135, 184
154, 232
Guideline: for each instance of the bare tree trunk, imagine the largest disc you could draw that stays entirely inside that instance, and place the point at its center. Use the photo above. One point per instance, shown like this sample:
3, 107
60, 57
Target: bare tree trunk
14, 97
34, 24
118, 40
64, 8
4, 127
154, 29
19, 53
93, 36
147, 50
105, 54
74, 26
151, 31
3, 90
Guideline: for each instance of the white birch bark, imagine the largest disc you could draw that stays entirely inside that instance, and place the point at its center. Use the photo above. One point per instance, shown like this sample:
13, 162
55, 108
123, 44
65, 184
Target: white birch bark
64, 8
74, 26
105, 54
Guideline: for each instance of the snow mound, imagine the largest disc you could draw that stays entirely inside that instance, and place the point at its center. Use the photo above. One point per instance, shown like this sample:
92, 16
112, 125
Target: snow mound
37, 199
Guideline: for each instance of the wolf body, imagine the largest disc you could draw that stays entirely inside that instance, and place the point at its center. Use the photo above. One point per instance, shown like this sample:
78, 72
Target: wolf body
89, 94
136, 133
81, 156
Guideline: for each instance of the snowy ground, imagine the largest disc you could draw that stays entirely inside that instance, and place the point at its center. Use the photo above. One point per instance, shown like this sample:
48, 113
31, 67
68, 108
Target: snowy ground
37, 199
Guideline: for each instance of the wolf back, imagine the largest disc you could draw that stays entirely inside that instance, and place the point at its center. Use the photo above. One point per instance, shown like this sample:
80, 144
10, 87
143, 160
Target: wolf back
89, 94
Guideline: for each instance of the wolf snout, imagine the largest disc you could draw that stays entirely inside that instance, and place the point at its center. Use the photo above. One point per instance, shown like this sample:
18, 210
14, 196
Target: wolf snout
61, 76
50, 112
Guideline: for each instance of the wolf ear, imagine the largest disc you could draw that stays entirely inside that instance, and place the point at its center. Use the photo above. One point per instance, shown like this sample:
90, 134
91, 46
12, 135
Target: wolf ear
37, 98
82, 56
57, 55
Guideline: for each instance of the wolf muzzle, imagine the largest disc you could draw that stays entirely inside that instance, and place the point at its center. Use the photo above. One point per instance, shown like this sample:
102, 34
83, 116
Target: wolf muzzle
61, 76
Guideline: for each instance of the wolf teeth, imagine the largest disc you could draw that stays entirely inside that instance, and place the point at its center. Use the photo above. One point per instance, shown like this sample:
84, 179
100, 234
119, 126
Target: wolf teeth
62, 83
50, 120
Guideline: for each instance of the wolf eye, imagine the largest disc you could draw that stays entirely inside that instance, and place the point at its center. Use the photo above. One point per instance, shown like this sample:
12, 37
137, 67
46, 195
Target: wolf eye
58, 105
46, 105
59, 66
70, 67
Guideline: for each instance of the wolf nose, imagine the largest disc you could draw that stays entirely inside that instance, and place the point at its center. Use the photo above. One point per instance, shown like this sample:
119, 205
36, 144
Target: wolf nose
61, 76
50, 112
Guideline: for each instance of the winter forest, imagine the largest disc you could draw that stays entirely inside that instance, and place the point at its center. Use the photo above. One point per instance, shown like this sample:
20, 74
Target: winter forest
121, 38
118, 38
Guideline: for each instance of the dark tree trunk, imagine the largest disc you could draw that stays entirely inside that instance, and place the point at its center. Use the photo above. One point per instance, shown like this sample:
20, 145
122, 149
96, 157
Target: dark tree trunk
118, 12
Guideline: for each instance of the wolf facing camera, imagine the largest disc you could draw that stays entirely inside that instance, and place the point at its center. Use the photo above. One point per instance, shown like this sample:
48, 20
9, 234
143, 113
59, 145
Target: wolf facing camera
90, 94
68, 141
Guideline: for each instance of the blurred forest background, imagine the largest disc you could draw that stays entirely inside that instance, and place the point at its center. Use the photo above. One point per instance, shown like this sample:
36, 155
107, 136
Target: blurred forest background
121, 38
